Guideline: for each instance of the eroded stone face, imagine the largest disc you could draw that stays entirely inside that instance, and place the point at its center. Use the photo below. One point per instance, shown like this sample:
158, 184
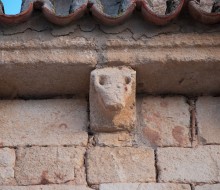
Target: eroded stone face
112, 99
7, 163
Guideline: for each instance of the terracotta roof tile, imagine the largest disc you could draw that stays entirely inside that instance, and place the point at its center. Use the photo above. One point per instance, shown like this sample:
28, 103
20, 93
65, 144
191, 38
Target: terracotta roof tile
112, 12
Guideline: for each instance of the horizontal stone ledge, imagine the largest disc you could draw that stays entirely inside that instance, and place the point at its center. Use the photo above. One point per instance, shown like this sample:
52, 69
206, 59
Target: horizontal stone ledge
45, 187
185, 64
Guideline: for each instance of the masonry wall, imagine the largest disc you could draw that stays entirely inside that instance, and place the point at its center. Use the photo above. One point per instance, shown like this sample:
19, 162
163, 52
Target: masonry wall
175, 146
46, 142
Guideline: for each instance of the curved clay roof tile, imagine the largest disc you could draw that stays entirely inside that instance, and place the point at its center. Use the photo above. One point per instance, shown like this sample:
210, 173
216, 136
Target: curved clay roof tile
157, 19
199, 14
112, 12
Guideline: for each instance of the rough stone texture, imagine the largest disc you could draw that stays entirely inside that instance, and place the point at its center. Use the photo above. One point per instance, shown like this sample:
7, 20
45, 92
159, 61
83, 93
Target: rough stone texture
208, 187
208, 118
43, 122
206, 5
158, 6
49, 165
112, 99
45, 187
7, 163
178, 63
114, 139
147, 186
185, 165
164, 122
170, 64
45, 67
114, 165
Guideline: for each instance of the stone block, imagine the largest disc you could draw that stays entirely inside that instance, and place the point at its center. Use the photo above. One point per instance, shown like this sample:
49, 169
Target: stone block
50, 165
208, 117
45, 187
164, 122
7, 163
43, 122
208, 187
189, 165
115, 165
112, 99
144, 186
114, 139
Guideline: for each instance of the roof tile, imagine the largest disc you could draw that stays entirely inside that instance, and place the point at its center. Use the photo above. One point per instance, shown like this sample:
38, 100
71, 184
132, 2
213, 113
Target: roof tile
111, 12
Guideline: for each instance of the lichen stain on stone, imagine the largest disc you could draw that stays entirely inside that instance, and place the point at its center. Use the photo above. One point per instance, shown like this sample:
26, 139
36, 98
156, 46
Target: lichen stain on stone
152, 135
44, 177
178, 134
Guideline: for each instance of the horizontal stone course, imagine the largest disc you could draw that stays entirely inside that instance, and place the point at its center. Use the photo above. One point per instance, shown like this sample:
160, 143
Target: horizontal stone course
50, 165
43, 122
115, 165
208, 117
165, 64
144, 186
7, 163
45, 187
164, 122
189, 165
208, 187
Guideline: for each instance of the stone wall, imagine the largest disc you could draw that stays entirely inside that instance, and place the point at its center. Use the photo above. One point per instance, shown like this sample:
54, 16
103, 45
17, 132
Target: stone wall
46, 144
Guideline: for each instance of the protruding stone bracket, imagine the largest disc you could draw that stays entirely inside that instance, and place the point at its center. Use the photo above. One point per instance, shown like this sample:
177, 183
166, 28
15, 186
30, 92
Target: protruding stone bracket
112, 99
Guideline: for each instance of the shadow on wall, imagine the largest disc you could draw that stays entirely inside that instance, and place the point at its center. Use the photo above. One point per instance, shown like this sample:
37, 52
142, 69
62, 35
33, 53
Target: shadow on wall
12, 7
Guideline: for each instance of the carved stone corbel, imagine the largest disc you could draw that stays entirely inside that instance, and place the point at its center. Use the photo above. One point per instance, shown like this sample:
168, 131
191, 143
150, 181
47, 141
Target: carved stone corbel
112, 99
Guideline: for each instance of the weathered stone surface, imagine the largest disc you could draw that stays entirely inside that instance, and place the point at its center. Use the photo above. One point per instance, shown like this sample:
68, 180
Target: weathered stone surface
158, 6
114, 139
170, 64
144, 186
45, 66
114, 165
185, 165
45, 187
49, 165
208, 117
164, 122
208, 187
206, 5
7, 163
37, 64
43, 122
112, 99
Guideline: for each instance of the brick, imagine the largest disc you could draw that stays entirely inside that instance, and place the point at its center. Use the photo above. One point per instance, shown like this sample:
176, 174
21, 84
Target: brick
144, 186
115, 165
7, 163
45, 187
208, 187
112, 99
185, 165
164, 122
43, 122
208, 112
49, 165
114, 139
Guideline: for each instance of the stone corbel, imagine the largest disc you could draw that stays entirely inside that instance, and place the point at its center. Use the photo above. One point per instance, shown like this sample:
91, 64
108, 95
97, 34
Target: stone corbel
112, 99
